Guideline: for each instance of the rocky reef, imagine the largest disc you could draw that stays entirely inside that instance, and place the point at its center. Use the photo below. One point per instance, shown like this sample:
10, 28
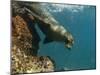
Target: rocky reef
24, 47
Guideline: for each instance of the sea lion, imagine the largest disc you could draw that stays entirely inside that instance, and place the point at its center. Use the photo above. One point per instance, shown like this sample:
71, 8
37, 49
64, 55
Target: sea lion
48, 24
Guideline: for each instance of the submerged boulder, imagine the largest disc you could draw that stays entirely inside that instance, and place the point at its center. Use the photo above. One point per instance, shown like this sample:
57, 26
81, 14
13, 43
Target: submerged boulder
24, 47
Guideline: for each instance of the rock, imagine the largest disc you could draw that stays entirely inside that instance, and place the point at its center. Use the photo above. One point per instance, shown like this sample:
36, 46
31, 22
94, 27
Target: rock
24, 49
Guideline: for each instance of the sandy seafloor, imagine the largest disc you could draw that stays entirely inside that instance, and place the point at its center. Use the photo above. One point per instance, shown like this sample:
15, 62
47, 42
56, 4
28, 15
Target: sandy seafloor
80, 20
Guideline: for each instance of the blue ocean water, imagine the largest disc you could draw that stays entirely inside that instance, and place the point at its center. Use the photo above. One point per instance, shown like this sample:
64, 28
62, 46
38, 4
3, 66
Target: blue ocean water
80, 20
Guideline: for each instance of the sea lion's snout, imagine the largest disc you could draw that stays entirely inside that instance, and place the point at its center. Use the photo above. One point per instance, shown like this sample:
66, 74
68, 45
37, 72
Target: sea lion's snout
69, 43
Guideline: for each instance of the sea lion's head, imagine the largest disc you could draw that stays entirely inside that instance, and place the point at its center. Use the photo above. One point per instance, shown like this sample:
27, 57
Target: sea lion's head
69, 41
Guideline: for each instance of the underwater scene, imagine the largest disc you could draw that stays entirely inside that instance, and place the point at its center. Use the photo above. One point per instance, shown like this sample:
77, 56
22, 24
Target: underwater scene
51, 37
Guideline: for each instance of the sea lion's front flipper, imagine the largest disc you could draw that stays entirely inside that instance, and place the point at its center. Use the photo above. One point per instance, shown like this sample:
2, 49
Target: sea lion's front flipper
47, 40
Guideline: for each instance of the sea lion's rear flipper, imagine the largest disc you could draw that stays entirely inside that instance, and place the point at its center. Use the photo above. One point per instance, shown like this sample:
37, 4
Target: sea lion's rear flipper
47, 40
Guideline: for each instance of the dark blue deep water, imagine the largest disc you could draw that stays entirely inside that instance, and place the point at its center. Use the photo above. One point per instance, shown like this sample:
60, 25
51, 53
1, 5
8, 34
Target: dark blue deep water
80, 20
